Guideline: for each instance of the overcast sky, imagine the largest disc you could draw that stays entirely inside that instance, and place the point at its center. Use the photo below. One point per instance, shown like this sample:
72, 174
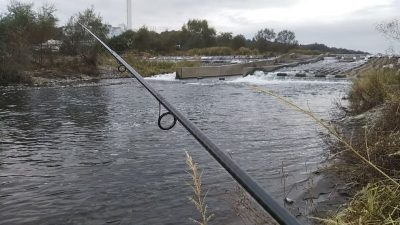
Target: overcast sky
339, 23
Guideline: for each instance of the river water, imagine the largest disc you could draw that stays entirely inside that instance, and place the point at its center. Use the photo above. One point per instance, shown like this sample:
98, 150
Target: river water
93, 154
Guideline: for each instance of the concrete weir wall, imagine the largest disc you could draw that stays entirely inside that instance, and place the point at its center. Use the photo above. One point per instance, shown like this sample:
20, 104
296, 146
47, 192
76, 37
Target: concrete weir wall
236, 69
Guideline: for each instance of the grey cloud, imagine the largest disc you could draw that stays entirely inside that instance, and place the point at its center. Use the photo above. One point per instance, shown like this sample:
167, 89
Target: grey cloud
355, 31
358, 35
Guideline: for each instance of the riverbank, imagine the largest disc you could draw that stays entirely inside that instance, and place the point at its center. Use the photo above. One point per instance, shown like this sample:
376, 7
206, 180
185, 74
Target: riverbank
54, 77
367, 158
67, 70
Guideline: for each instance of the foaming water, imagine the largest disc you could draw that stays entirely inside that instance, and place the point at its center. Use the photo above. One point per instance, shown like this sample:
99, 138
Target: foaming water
94, 155
163, 77
321, 72
261, 78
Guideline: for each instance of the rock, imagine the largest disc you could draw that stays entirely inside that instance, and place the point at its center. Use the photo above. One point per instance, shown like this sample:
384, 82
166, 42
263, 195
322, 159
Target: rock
288, 200
390, 66
281, 74
300, 75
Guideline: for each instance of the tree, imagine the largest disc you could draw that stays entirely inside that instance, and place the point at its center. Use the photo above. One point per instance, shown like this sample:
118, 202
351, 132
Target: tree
79, 42
3, 38
18, 25
45, 29
265, 35
238, 41
197, 34
390, 29
172, 40
224, 39
263, 38
146, 40
286, 37
123, 41
45, 24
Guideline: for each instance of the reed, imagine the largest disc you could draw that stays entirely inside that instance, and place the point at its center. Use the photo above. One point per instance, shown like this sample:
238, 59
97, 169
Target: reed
377, 203
199, 197
147, 67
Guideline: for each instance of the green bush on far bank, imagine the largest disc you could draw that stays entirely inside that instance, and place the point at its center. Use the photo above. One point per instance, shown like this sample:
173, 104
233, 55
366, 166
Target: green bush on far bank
147, 67
9, 75
150, 68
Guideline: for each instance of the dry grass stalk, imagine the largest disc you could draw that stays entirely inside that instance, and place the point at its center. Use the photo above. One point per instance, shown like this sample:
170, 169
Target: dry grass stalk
377, 203
331, 131
198, 198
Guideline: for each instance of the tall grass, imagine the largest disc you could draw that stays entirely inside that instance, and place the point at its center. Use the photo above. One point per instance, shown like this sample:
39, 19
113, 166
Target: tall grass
211, 51
148, 67
199, 197
374, 87
9, 74
377, 203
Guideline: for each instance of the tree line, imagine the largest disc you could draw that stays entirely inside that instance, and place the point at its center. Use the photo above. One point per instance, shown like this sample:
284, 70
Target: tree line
24, 30
24, 33
197, 34
22, 27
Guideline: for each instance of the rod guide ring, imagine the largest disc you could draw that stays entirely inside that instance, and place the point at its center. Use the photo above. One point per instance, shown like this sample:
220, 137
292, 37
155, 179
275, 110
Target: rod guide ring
166, 127
121, 68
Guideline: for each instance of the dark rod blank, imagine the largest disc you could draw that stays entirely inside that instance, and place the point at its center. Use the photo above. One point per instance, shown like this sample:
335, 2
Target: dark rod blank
279, 213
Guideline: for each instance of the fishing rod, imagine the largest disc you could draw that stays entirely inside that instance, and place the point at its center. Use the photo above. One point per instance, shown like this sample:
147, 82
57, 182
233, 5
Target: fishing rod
279, 213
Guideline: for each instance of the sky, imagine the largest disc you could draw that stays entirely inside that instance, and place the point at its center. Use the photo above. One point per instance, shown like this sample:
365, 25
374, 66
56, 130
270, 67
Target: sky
336, 23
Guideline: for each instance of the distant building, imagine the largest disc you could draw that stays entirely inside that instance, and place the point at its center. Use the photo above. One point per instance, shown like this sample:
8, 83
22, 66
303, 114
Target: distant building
52, 45
115, 31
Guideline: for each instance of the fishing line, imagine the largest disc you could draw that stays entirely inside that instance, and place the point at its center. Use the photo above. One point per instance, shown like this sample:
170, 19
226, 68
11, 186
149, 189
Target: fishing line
161, 116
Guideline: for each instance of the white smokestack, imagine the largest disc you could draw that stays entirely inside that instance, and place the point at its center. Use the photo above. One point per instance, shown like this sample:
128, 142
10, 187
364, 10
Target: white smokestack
129, 14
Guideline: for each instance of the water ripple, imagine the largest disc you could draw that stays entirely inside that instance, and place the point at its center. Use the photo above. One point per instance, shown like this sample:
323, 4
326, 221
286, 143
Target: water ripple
93, 154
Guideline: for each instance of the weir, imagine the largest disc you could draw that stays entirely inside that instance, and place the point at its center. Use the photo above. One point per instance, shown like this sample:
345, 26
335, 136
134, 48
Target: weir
239, 69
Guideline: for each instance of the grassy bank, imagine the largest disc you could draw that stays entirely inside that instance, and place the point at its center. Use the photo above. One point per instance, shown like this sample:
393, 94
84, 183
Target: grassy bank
48, 69
145, 66
11, 75
372, 128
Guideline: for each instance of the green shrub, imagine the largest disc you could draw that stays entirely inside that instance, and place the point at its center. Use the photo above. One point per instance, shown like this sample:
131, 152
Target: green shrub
148, 67
246, 51
11, 75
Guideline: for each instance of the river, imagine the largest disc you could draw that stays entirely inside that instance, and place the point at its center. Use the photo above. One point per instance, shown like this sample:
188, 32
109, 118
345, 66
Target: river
93, 153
